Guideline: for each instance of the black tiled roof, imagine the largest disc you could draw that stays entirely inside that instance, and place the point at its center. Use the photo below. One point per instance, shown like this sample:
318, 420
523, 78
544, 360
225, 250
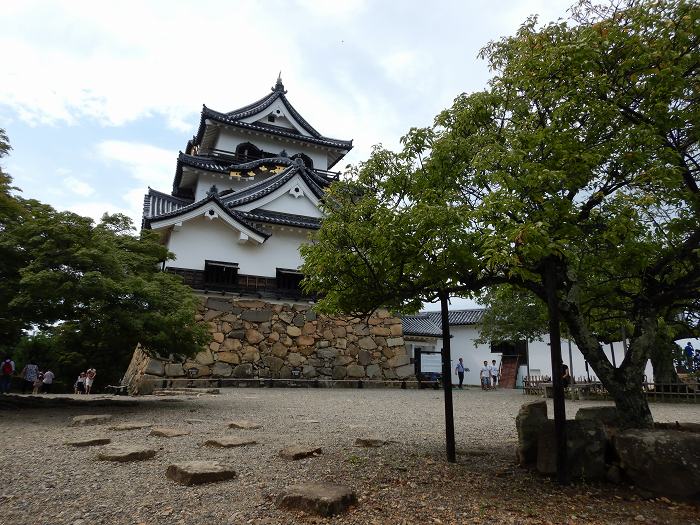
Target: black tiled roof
156, 202
219, 165
229, 120
236, 215
459, 317
259, 190
274, 217
420, 325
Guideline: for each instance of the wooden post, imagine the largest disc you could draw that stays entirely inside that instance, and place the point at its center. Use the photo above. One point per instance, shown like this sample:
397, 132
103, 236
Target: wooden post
447, 380
557, 384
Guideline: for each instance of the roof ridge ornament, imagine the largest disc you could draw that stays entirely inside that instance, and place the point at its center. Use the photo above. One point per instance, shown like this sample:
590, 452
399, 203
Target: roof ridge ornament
279, 87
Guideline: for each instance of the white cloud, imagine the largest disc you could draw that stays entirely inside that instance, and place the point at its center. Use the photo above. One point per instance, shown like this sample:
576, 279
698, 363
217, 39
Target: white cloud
147, 164
333, 8
78, 186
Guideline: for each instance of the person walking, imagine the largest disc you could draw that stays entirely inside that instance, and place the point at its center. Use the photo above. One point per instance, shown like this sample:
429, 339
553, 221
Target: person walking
89, 379
7, 369
690, 355
48, 381
485, 375
494, 374
79, 387
29, 373
460, 372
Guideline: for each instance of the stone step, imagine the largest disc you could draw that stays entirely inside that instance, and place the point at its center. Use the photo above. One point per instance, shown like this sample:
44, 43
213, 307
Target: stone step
126, 453
96, 419
168, 432
325, 499
228, 442
89, 442
295, 452
198, 472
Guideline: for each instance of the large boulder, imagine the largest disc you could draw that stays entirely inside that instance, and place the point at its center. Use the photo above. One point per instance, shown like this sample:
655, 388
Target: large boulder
661, 461
585, 442
529, 421
607, 415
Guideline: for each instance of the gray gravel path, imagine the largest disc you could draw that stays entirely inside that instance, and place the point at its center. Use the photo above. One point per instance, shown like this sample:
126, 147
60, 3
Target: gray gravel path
43, 481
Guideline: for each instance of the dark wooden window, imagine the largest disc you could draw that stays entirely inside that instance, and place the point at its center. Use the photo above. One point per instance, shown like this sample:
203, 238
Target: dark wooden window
220, 274
289, 279
246, 152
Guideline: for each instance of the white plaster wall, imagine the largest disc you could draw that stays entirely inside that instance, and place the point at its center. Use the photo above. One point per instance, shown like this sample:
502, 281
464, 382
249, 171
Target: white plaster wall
462, 345
229, 139
287, 203
278, 109
201, 239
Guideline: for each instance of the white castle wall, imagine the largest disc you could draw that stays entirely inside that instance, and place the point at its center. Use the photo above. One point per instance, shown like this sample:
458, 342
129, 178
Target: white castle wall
201, 239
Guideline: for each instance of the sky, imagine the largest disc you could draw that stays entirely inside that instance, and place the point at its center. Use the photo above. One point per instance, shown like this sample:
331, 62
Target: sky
97, 98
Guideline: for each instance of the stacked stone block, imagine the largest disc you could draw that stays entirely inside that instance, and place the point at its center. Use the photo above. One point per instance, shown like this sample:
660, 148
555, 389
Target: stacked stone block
257, 339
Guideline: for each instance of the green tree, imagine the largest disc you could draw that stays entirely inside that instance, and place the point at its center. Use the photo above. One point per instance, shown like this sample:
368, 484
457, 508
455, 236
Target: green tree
578, 167
88, 293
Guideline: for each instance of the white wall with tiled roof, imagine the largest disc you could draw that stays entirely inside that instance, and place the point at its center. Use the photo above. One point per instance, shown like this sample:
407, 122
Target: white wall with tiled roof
201, 238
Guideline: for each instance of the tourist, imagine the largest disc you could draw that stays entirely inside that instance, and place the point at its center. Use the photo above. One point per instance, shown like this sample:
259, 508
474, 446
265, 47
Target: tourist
7, 369
38, 383
29, 373
89, 379
460, 372
485, 374
565, 376
494, 374
48, 381
79, 387
690, 355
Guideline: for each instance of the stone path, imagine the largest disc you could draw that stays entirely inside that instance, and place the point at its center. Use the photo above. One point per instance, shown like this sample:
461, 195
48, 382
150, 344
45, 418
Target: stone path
405, 481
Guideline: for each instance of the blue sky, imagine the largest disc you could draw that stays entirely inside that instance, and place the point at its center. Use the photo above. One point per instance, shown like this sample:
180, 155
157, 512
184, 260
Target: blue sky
98, 97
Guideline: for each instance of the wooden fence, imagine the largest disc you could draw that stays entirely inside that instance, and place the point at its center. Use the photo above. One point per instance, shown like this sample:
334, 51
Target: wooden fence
684, 392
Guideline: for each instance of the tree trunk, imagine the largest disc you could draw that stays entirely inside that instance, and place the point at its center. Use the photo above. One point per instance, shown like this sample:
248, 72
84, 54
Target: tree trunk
662, 354
631, 402
624, 383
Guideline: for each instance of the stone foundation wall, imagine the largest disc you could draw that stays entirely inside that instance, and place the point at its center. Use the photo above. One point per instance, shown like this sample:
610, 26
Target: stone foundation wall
257, 339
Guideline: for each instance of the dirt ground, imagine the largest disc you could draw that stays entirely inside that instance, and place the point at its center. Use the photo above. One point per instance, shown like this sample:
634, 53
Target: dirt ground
407, 481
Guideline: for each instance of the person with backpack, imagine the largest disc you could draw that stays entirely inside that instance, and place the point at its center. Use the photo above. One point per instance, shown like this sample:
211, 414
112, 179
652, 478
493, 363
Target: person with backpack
7, 369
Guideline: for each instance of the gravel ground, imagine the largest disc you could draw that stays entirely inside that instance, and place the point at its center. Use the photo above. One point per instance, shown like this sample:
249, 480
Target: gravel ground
407, 481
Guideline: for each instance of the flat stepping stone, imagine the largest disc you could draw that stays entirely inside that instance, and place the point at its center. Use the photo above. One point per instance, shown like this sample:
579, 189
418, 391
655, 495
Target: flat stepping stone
229, 442
370, 443
195, 421
137, 425
168, 432
300, 451
89, 442
244, 424
325, 499
126, 453
98, 419
198, 472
